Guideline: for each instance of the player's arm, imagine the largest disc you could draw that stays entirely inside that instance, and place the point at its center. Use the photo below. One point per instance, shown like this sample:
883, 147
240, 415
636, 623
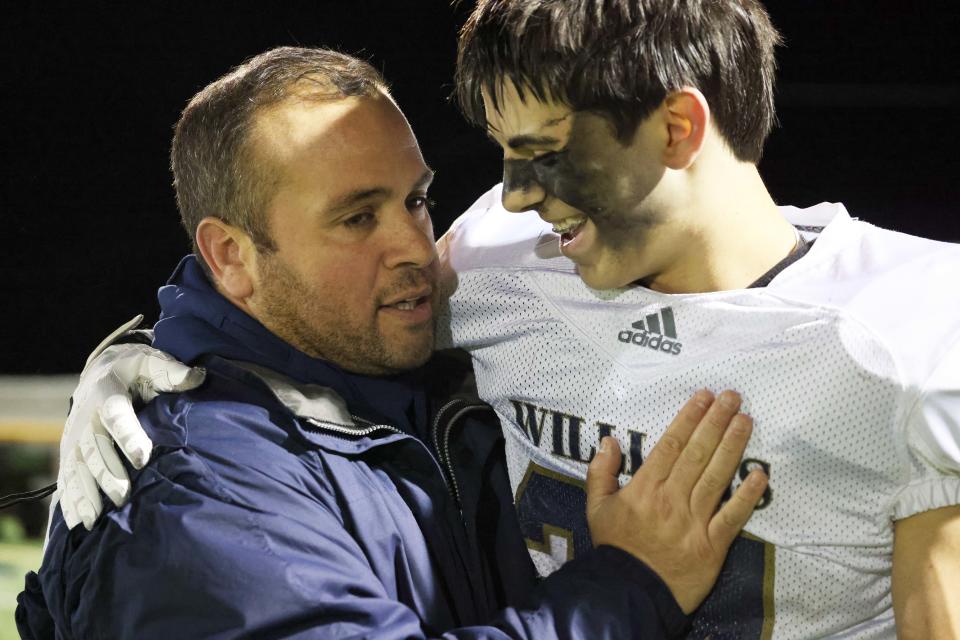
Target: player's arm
926, 575
926, 547
121, 372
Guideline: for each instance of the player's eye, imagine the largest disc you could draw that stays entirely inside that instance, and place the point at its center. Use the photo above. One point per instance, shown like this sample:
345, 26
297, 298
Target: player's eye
422, 203
548, 159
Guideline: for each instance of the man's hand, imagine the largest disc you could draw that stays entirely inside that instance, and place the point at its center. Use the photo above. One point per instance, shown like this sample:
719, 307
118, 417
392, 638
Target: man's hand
102, 414
667, 514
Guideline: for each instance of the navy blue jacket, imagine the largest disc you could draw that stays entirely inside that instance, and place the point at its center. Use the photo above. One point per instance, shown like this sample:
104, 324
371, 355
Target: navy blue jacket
288, 498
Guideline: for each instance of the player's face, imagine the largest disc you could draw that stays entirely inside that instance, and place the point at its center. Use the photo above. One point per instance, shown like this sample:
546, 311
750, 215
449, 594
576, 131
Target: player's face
353, 276
573, 171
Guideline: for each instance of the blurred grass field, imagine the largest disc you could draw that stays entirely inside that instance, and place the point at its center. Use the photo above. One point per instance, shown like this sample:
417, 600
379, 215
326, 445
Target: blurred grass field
32, 408
15, 560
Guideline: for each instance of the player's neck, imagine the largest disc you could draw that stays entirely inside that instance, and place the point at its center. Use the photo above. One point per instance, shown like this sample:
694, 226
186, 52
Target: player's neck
732, 234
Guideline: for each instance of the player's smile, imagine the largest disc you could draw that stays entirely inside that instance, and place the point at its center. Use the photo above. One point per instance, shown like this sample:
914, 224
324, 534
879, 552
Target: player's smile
569, 229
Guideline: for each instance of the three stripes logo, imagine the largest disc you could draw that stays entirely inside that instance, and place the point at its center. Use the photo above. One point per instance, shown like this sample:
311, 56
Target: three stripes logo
656, 331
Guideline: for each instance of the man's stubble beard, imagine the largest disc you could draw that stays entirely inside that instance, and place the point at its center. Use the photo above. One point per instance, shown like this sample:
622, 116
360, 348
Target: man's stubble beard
310, 319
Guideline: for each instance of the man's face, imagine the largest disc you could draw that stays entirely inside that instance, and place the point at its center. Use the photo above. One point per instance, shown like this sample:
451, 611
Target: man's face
573, 171
353, 275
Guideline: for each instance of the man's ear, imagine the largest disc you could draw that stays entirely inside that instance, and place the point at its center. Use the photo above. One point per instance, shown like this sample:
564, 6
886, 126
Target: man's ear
687, 116
231, 256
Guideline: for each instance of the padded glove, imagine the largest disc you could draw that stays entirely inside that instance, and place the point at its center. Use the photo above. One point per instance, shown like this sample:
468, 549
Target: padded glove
102, 415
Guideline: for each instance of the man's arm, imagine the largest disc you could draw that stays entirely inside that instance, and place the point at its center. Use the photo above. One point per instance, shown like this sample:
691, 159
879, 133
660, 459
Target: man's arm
668, 515
679, 489
201, 559
926, 575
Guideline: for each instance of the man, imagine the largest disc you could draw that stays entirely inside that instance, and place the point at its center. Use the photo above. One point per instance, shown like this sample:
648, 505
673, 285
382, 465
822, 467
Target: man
302, 490
662, 264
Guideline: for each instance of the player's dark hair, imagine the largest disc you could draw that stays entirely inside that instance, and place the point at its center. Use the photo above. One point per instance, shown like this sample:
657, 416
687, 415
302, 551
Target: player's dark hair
621, 58
215, 170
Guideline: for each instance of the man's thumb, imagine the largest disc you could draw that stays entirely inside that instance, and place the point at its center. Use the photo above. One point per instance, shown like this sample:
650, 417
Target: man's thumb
603, 472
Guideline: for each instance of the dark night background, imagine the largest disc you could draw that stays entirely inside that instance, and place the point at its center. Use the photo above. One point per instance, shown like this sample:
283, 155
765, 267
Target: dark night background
869, 97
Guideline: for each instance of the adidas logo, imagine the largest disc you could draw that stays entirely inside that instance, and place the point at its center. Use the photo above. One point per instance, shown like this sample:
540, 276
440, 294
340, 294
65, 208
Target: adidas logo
657, 331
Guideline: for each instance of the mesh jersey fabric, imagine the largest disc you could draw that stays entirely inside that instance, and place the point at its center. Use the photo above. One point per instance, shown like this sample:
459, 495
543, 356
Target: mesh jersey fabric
848, 362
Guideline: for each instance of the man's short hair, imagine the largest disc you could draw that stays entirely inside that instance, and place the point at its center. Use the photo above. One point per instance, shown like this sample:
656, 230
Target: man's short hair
621, 58
216, 171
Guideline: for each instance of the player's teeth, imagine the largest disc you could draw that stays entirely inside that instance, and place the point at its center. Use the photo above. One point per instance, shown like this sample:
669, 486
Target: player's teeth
406, 305
568, 224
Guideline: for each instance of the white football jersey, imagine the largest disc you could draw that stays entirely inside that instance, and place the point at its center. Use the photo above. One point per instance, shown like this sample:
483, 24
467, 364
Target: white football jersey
848, 363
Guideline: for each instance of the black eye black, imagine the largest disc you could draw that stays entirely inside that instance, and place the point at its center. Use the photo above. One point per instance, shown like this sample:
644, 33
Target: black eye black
548, 159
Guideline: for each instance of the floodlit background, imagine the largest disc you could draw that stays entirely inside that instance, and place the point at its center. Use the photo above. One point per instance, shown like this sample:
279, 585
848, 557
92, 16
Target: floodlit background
868, 100
32, 409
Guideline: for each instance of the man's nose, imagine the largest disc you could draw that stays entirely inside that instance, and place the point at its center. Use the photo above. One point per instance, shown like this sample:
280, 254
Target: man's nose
521, 189
411, 241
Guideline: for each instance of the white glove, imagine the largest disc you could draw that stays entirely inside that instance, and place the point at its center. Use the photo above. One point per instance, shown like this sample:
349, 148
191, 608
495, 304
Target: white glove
102, 414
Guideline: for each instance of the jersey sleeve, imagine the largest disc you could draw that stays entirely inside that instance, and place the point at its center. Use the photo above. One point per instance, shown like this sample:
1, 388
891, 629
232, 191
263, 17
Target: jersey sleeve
933, 442
454, 253
482, 257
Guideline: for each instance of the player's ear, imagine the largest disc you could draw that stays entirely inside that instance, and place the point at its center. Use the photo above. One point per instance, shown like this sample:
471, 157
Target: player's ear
231, 256
687, 117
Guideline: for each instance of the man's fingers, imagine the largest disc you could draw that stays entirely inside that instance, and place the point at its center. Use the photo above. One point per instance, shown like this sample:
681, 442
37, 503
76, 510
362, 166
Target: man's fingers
659, 463
733, 515
603, 472
703, 443
720, 471
120, 420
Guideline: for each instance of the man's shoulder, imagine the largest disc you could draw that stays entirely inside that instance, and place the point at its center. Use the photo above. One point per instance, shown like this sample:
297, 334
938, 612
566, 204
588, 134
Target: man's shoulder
211, 442
211, 471
228, 402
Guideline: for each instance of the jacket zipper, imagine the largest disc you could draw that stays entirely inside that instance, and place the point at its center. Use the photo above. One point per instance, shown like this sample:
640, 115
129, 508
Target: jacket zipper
443, 452
352, 431
442, 457
442, 448
444, 467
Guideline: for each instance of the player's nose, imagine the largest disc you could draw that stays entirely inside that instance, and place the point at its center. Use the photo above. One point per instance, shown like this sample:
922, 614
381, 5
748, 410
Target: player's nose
521, 190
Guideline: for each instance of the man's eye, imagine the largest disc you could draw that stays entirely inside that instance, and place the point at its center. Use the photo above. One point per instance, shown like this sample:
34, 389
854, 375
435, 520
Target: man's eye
359, 220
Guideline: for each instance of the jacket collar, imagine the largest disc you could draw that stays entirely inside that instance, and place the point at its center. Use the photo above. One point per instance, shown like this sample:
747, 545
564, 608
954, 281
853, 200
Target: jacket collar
310, 401
322, 417
197, 322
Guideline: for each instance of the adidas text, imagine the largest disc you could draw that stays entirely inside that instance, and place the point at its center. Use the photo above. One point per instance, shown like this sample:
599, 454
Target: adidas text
654, 341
